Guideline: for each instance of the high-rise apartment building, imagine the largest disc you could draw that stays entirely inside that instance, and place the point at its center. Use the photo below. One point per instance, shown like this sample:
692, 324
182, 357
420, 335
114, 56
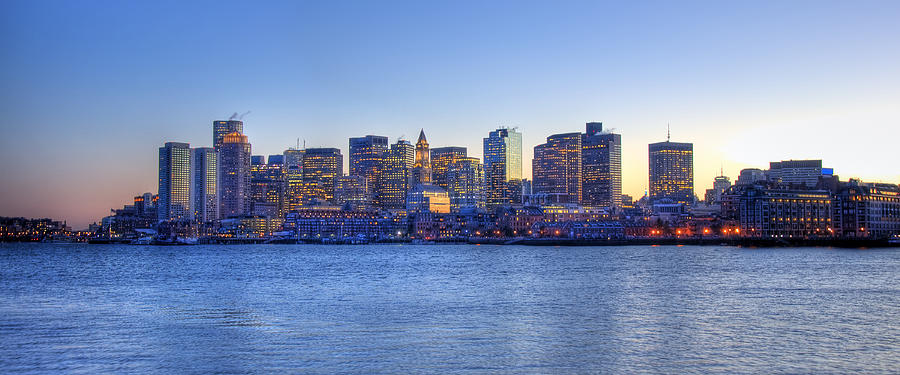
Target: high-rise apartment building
395, 175
322, 166
204, 184
556, 167
234, 175
174, 182
441, 159
672, 172
503, 166
222, 128
601, 167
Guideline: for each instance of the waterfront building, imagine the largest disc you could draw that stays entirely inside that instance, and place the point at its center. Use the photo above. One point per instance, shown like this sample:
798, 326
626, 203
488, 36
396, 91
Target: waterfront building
441, 159
867, 210
601, 167
395, 176
204, 184
426, 197
768, 212
174, 182
366, 159
421, 170
672, 172
224, 127
293, 179
332, 222
321, 166
556, 166
465, 184
797, 173
503, 167
234, 176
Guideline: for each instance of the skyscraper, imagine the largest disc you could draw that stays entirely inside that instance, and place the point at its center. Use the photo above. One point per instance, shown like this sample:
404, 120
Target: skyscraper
503, 166
204, 185
234, 175
321, 166
293, 179
174, 182
267, 188
557, 167
366, 157
465, 184
421, 170
394, 182
441, 159
601, 167
224, 127
672, 172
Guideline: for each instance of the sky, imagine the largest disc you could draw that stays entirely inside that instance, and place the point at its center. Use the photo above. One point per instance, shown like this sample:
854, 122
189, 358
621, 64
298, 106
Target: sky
91, 89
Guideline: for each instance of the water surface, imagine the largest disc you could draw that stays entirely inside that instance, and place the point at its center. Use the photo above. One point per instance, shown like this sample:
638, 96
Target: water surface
447, 309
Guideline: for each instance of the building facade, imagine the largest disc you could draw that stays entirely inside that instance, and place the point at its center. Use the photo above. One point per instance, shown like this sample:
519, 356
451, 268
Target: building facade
234, 176
465, 184
672, 172
204, 184
867, 210
771, 213
503, 167
395, 176
366, 159
601, 167
796, 173
322, 166
441, 159
556, 166
174, 182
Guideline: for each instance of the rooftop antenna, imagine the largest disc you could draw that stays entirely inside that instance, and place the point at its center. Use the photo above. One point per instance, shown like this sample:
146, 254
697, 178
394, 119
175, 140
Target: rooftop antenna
668, 132
233, 116
298, 143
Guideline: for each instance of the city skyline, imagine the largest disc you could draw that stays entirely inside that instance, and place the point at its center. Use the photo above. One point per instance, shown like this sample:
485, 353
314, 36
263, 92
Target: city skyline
813, 93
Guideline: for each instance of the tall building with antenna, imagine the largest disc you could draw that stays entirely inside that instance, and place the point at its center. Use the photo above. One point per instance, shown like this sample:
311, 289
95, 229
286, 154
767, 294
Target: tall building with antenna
671, 171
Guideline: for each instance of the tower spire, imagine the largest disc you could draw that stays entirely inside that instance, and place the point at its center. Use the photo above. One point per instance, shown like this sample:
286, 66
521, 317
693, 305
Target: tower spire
668, 132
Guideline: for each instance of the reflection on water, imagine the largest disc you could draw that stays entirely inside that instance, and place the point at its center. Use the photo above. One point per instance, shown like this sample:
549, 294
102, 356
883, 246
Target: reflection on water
447, 309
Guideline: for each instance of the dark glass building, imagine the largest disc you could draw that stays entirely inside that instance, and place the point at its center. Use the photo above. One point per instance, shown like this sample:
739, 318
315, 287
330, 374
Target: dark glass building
366, 158
601, 167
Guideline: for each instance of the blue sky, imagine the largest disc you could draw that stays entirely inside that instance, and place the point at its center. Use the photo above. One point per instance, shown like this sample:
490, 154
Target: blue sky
91, 89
